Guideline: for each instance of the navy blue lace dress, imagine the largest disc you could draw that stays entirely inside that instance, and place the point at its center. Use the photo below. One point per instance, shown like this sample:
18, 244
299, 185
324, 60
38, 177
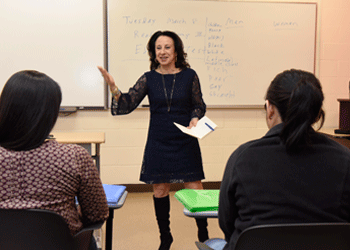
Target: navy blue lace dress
170, 156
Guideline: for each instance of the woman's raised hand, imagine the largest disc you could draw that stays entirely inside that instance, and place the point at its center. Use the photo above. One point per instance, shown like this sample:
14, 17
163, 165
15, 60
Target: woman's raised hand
108, 78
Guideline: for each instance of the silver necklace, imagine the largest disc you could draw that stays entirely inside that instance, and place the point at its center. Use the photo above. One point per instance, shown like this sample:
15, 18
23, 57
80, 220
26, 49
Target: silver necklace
171, 94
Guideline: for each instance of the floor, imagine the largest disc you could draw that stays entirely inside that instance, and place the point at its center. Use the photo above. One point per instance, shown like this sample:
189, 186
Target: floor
135, 226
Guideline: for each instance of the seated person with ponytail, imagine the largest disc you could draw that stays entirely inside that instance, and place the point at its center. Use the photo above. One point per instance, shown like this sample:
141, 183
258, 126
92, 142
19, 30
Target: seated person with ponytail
291, 175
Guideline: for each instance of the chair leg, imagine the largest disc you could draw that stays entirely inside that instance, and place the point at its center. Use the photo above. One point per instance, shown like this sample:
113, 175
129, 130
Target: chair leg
202, 224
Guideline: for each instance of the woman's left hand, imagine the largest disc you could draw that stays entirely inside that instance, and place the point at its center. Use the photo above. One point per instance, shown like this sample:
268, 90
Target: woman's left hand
193, 123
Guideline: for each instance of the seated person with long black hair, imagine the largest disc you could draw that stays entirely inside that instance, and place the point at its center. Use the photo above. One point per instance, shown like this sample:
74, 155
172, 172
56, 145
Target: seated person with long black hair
36, 173
291, 175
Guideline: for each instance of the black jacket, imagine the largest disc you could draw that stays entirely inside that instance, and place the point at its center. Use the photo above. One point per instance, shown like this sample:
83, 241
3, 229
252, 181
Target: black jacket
263, 184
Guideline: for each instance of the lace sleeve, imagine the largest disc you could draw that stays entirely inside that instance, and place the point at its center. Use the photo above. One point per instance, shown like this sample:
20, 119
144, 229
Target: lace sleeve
199, 106
128, 102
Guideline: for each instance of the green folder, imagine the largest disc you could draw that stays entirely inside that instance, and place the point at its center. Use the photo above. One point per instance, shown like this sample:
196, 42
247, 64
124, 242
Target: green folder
199, 200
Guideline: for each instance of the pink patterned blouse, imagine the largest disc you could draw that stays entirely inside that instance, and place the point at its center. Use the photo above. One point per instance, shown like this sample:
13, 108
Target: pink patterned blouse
49, 177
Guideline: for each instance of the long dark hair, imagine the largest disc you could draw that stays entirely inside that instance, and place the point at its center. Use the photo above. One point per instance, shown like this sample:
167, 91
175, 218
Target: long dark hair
29, 107
180, 63
298, 97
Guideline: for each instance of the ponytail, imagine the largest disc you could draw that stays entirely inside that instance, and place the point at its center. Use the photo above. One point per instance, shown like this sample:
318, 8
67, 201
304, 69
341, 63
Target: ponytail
298, 97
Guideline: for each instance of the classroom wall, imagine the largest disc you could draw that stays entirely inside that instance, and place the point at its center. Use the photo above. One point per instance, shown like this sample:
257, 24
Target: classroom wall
121, 155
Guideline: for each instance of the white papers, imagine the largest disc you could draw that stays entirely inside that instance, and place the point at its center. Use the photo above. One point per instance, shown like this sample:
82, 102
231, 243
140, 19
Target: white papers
204, 127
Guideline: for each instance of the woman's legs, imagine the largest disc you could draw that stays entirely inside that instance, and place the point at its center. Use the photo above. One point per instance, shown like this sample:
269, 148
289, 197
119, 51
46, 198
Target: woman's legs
194, 185
162, 210
202, 223
161, 190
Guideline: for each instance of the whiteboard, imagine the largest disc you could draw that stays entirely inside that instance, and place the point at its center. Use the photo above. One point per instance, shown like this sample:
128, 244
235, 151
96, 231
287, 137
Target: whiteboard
236, 48
64, 39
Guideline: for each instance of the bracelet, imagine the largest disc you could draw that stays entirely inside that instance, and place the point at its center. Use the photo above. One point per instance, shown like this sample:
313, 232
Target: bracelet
116, 92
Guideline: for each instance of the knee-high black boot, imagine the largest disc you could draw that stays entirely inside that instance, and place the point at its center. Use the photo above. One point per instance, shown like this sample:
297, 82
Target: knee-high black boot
162, 209
202, 224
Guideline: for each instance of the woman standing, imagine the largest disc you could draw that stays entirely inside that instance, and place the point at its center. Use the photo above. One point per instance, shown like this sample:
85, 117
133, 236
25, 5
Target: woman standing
174, 95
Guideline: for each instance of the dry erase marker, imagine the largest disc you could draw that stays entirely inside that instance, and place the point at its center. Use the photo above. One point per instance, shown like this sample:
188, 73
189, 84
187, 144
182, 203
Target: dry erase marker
209, 126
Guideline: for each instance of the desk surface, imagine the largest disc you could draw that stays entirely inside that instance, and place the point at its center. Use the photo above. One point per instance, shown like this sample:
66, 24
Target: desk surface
79, 137
330, 131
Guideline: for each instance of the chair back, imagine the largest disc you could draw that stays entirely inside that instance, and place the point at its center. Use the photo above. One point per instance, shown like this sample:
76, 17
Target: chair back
35, 229
311, 236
